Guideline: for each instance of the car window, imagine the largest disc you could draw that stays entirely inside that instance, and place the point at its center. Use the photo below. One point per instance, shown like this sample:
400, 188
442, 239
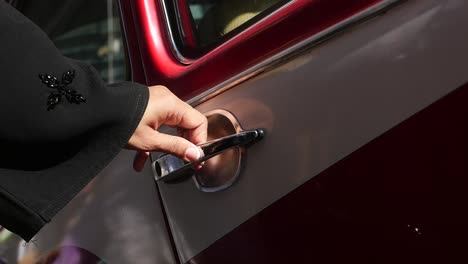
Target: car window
200, 25
86, 30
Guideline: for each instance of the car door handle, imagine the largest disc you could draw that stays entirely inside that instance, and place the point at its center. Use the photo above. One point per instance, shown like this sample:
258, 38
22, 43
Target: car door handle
171, 168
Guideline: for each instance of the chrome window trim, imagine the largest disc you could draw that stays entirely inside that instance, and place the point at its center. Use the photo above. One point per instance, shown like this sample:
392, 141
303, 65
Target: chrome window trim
285, 55
187, 61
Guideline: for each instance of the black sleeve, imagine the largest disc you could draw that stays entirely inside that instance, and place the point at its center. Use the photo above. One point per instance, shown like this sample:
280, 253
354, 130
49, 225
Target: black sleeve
60, 124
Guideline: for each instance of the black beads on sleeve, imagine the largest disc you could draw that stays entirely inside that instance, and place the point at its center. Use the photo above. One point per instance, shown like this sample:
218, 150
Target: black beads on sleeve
62, 89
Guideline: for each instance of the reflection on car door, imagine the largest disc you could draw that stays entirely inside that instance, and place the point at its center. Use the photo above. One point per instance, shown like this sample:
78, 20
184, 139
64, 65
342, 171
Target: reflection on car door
344, 94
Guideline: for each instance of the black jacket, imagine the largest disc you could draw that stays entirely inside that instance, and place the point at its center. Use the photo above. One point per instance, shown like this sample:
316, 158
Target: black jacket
60, 124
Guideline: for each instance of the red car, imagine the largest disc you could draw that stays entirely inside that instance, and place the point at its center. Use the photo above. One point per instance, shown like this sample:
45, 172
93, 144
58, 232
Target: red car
365, 153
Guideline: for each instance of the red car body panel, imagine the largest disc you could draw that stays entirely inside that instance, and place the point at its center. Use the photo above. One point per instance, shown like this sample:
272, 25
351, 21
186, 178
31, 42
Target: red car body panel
255, 44
404, 202
367, 131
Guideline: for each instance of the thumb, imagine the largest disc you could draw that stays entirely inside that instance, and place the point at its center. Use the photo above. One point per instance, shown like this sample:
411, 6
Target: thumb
177, 146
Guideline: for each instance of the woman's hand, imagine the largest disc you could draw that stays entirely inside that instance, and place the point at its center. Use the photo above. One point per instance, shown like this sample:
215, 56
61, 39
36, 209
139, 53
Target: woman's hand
164, 108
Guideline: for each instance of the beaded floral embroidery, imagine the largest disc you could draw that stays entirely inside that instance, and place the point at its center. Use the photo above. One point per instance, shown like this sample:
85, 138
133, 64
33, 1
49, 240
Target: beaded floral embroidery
62, 89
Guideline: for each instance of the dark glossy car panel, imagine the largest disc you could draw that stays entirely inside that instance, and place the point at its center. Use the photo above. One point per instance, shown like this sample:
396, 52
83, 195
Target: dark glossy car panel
363, 104
398, 199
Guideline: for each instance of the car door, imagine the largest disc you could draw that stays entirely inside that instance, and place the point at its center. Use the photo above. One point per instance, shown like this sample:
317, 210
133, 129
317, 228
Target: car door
363, 158
362, 104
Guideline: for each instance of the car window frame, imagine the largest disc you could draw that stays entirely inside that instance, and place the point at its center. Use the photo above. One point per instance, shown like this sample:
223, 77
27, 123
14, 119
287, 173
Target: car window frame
172, 22
154, 62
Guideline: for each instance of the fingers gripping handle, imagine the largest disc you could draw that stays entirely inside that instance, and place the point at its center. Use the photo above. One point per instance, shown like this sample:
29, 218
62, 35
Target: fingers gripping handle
170, 168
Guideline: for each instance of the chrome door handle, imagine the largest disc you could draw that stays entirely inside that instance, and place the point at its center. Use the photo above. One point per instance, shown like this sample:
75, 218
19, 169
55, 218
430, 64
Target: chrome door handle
170, 168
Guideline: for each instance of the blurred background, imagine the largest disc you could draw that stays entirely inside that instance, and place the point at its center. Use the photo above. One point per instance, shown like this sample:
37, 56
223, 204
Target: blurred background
86, 30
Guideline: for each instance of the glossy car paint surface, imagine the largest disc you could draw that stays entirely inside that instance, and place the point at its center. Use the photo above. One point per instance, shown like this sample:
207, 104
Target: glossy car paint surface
296, 21
315, 189
116, 218
318, 108
399, 199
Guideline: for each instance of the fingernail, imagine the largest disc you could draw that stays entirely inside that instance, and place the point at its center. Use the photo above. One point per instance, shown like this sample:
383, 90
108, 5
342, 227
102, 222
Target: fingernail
192, 154
200, 150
